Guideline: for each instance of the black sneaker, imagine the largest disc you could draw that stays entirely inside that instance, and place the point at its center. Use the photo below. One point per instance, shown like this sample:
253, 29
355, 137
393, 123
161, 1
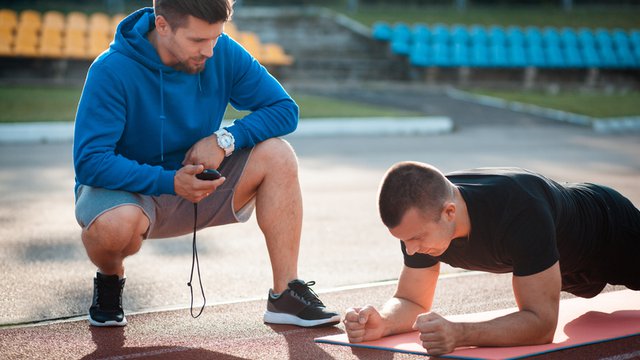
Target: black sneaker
299, 305
106, 309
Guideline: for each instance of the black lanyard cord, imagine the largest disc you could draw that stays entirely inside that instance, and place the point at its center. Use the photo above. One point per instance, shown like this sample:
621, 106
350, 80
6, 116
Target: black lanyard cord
194, 261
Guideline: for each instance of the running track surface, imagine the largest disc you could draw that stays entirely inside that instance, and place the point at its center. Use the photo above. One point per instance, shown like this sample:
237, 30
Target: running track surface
236, 331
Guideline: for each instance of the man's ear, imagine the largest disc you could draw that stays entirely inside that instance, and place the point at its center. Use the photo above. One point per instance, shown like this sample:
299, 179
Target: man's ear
162, 25
449, 211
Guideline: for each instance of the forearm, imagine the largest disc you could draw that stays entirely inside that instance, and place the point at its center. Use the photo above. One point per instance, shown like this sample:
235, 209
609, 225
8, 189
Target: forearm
519, 328
399, 315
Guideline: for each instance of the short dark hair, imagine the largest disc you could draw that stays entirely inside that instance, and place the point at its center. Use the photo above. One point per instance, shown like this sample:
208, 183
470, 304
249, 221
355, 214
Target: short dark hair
411, 184
176, 11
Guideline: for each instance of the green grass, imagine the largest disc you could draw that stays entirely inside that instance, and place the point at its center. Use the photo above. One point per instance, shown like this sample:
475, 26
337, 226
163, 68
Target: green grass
29, 104
593, 17
599, 105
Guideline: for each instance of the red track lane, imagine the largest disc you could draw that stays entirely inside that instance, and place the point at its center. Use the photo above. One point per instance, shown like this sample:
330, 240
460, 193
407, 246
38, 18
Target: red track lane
236, 331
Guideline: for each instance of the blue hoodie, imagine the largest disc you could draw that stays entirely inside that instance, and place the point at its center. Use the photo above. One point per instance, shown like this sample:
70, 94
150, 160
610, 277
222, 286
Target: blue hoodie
137, 118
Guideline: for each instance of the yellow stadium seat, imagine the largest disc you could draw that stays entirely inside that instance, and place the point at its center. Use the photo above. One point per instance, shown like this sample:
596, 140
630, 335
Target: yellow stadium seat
231, 29
26, 43
5, 50
251, 42
8, 19
77, 21
115, 20
273, 54
98, 42
6, 36
50, 42
30, 19
53, 20
75, 44
100, 22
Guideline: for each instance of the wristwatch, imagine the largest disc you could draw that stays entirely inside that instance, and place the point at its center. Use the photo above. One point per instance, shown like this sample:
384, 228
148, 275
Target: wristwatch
225, 141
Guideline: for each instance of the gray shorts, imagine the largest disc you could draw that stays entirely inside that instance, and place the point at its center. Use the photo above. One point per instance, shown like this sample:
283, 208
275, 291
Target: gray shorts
172, 215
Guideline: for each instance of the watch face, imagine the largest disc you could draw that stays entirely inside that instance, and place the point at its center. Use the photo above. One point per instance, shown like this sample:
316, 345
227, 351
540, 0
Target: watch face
225, 141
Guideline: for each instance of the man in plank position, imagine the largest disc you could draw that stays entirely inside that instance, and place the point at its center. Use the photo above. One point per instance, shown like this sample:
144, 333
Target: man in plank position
552, 237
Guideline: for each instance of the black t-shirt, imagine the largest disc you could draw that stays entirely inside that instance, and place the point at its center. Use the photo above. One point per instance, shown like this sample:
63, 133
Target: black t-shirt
523, 222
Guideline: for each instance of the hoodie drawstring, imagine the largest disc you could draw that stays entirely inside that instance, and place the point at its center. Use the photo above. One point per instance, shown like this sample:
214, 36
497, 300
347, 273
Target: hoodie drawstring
162, 116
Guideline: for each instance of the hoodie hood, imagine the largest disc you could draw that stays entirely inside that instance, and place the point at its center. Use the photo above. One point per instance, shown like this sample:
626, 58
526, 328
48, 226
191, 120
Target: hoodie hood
131, 39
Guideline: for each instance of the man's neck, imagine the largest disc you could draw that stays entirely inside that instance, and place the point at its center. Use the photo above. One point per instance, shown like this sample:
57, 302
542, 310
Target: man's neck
463, 222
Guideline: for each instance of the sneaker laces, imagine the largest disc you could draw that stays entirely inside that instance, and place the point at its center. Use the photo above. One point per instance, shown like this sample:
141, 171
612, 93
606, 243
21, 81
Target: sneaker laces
304, 291
108, 294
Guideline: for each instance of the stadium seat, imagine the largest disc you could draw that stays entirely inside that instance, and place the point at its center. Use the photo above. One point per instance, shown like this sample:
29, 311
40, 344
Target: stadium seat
460, 55
251, 42
274, 54
419, 54
478, 35
115, 21
515, 36
572, 57
568, 38
382, 31
97, 42
459, 35
608, 56
8, 19
497, 36
440, 34
99, 22
75, 44
440, 54
479, 55
535, 56
626, 59
620, 39
603, 38
401, 39
586, 38
498, 55
554, 56
26, 42
50, 42
551, 37
533, 36
421, 33
231, 29
590, 56
77, 21
30, 19
517, 56
53, 20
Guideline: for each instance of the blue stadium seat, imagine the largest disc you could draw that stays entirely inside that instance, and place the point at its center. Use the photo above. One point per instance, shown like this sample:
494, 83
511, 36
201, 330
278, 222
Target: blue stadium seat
517, 56
586, 38
634, 38
440, 34
608, 56
603, 38
515, 36
535, 56
459, 35
440, 54
626, 58
551, 37
421, 33
568, 38
554, 56
497, 35
590, 56
620, 39
498, 55
479, 55
478, 35
382, 31
401, 39
533, 36
572, 56
419, 55
460, 55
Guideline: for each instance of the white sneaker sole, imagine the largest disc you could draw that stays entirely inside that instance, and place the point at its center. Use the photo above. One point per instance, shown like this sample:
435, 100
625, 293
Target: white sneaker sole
288, 319
108, 323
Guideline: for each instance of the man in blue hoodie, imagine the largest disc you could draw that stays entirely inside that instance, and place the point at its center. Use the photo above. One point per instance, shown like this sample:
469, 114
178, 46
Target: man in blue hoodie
149, 120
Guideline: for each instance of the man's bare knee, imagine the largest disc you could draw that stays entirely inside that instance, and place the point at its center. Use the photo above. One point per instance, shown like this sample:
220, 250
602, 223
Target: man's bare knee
116, 229
278, 154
